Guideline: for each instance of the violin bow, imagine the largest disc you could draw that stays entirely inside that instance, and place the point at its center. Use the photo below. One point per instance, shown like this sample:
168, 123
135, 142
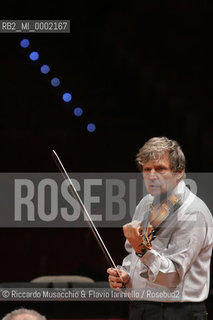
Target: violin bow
86, 213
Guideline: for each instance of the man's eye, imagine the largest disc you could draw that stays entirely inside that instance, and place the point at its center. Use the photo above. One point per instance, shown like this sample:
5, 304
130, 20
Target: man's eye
160, 169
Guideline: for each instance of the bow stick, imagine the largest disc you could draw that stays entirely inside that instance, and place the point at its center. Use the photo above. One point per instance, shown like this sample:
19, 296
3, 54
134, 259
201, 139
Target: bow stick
85, 212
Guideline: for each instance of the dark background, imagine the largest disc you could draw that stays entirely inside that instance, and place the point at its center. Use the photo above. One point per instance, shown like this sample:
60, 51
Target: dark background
138, 69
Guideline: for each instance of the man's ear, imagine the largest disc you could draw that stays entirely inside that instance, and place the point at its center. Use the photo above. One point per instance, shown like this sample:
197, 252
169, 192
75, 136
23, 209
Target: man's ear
180, 174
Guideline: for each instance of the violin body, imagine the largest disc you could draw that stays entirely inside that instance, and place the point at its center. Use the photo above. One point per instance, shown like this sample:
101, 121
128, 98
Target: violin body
154, 218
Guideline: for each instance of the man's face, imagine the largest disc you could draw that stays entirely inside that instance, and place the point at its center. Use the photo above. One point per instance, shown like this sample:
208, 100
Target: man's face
158, 176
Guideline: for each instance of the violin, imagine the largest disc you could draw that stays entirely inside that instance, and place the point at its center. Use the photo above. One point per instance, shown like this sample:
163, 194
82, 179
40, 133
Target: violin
154, 218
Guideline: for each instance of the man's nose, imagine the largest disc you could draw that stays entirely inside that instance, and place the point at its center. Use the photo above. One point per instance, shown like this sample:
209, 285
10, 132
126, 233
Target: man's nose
153, 174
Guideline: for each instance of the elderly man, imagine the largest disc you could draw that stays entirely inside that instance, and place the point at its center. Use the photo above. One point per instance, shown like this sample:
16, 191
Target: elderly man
169, 241
24, 314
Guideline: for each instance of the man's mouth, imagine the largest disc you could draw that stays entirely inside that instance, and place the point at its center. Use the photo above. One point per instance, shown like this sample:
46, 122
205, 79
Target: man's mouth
154, 186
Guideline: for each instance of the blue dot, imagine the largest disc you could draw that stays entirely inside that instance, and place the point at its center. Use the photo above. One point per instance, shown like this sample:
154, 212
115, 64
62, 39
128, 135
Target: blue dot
91, 127
67, 97
24, 43
34, 56
45, 69
55, 82
78, 112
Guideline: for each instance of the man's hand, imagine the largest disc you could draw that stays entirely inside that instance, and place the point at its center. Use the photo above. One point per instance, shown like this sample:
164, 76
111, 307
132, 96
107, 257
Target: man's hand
131, 232
114, 279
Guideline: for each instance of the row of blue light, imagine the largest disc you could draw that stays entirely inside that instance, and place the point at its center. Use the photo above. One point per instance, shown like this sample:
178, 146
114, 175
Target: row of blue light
55, 82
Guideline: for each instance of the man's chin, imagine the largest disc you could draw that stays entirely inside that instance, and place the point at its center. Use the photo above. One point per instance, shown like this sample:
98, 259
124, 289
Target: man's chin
154, 191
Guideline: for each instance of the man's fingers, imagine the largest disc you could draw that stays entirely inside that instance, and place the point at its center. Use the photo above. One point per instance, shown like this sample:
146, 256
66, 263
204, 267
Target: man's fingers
114, 279
131, 229
112, 271
115, 284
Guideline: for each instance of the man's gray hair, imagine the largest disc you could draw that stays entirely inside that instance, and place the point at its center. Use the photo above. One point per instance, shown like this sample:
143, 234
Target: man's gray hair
154, 148
25, 313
